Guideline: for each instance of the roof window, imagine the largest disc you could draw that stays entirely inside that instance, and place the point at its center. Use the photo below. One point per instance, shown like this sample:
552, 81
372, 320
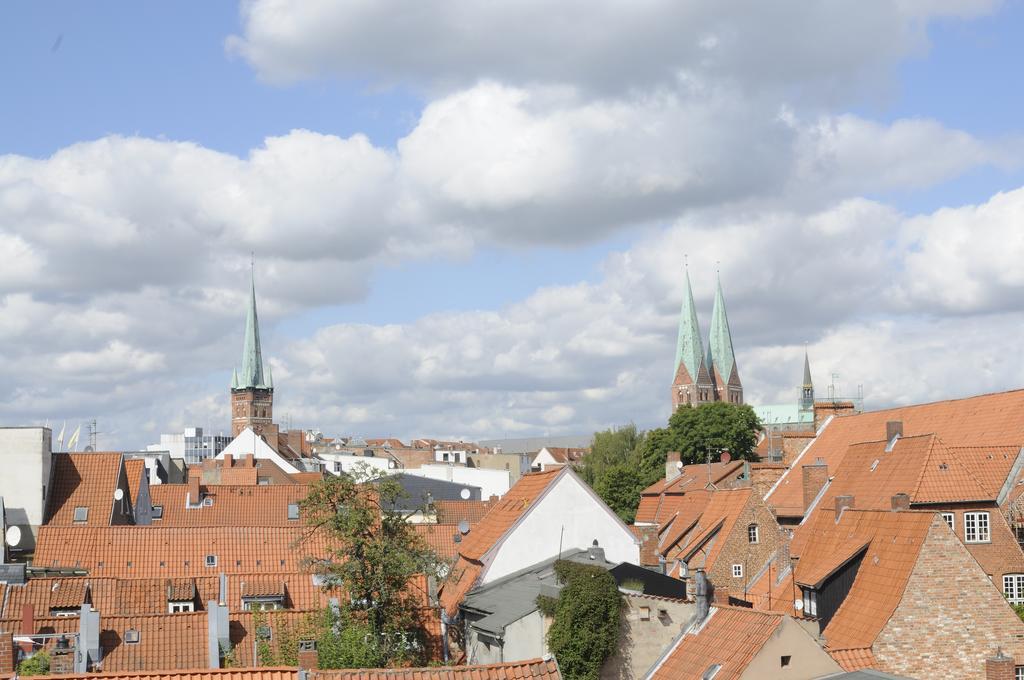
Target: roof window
81, 513
208, 501
158, 512
211, 560
132, 636
711, 672
293, 511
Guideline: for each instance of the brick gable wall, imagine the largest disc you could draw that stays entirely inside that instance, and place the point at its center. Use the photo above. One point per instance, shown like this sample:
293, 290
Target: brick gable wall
738, 550
1003, 554
951, 617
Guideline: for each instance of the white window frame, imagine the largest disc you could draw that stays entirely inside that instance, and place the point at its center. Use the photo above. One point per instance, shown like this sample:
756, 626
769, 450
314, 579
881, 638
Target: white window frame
82, 514
977, 527
737, 571
1018, 673
950, 519
753, 533
180, 607
211, 562
1013, 588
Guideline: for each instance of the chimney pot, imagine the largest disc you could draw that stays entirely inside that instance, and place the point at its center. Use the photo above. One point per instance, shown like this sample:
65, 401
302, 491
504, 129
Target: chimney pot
999, 667
900, 501
892, 429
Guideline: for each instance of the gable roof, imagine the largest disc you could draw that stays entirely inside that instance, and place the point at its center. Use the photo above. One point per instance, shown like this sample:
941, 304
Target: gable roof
723, 510
453, 512
730, 637
893, 541
268, 673
83, 480
985, 420
134, 469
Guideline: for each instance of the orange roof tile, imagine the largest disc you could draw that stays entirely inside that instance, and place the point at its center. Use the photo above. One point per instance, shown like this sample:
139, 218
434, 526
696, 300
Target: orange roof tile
453, 512
985, 420
731, 637
441, 539
267, 673
146, 552
723, 509
854, 659
134, 469
83, 480
537, 669
894, 540
694, 476
230, 505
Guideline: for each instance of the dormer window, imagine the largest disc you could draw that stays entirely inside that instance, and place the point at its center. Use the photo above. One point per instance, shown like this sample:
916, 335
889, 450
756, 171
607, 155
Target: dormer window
180, 606
82, 514
208, 501
810, 602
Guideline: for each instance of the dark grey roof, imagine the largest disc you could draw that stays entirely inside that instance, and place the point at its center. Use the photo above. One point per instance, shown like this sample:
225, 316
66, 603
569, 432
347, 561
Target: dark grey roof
492, 607
419, 491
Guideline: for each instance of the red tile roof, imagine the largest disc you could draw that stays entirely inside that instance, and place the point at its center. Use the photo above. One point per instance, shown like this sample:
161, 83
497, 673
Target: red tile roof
83, 480
147, 552
718, 518
731, 638
987, 420
441, 539
135, 469
268, 673
854, 659
536, 669
453, 512
231, 505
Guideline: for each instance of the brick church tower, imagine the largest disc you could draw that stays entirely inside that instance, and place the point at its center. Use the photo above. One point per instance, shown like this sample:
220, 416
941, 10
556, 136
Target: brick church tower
252, 388
701, 377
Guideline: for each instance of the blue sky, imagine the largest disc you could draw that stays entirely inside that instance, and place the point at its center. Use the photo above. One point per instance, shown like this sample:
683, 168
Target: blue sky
80, 73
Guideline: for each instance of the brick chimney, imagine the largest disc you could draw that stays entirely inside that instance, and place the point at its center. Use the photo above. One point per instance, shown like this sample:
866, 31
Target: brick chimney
893, 428
309, 658
900, 501
193, 488
999, 667
843, 503
815, 476
672, 465
250, 460
229, 460
62, 658
28, 625
8, 654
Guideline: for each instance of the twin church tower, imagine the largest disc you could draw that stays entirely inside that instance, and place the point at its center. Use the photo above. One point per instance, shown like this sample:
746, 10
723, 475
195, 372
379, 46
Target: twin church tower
704, 377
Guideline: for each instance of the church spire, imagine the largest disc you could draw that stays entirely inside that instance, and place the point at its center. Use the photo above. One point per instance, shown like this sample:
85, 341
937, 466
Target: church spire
807, 390
721, 361
689, 347
252, 371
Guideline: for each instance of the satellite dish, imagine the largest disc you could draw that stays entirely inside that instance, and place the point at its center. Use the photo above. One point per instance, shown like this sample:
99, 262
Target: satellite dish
118, 494
798, 604
465, 494
13, 536
88, 449
464, 527
679, 465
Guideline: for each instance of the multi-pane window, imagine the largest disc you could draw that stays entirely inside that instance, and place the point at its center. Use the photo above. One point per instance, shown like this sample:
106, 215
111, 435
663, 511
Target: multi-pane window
1018, 673
752, 536
179, 607
737, 570
810, 602
950, 519
976, 527
1013, 588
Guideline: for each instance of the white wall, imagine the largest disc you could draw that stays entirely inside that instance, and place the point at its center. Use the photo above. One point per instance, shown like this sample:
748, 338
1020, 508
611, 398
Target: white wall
568, 514
524, 639
248, 441
350, 463
24, 473
491, 482
545, 460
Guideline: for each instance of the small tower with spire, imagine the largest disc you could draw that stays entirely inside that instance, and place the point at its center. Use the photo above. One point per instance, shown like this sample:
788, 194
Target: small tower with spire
691, 382
807, 390
252, 387
721, 360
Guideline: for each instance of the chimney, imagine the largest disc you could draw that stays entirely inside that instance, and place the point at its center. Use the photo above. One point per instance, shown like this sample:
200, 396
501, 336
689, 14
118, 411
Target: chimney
672, 465
28, 625
900, 501
999, 667
892, 429
218, 632
8, 655
595, 552
193, 488
249, 460
62, 658
229, 460
309, 658
815, 476
701, 594
843, 503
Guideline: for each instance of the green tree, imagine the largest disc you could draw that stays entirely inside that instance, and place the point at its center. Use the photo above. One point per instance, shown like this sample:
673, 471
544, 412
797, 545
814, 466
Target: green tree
37, 664
374, 558
610, 448
696, 431
585, 630
620, 486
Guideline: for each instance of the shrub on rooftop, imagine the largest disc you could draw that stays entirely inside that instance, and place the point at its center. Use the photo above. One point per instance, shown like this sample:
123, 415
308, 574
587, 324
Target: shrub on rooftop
37, 664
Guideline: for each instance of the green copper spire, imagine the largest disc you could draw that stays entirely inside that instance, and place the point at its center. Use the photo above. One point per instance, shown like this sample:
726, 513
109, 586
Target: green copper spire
252, 358
689, 348
720, 356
